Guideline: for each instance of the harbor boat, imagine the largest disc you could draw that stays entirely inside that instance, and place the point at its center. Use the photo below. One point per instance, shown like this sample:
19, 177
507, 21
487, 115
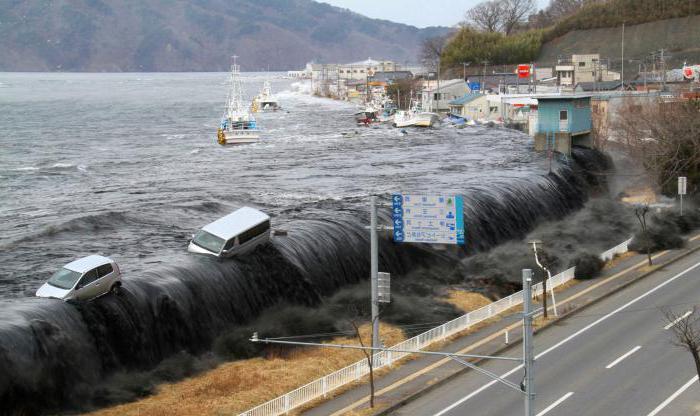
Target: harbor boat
387, 114
367, 115
266, 101
238, 125
414, 117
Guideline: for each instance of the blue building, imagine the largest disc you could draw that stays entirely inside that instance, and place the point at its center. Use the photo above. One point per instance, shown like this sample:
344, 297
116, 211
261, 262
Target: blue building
563, 121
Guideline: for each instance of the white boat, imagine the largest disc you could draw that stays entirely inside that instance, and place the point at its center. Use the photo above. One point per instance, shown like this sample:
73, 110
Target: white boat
415, 117
265, 101
238, 125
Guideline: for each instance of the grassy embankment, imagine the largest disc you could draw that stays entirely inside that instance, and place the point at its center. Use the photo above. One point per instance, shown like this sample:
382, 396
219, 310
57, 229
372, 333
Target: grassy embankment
237, 386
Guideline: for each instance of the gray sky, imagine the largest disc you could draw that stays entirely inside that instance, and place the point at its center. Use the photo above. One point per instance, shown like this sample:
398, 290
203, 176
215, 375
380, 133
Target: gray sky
420, 13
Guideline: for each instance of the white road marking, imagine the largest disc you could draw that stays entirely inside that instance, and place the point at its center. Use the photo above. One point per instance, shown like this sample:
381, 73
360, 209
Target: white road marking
567, 339
625, 355
555, 404
685, 315
673, 396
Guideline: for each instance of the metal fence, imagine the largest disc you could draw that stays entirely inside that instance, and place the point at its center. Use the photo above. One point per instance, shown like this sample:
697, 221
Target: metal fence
321, 387
618, 249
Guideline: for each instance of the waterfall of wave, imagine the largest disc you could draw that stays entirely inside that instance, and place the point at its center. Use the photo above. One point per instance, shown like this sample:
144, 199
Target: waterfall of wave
53, 354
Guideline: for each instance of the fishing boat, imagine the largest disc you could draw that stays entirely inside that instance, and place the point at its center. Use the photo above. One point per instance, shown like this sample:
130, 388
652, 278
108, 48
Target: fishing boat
238, 125
266, 101
414, 117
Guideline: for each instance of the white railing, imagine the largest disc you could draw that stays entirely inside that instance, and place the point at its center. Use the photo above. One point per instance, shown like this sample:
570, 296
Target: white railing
618, 249
321, 387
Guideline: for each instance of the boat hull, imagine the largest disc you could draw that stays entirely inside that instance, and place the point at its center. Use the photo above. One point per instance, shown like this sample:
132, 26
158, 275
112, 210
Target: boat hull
235, 137
417, 120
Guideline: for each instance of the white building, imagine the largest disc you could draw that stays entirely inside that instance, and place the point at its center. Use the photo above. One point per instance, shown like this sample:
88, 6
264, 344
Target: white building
437, 99
584, 68
364, 69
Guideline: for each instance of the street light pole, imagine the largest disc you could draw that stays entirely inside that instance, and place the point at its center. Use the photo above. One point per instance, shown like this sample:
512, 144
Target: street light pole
374, 271
528, 350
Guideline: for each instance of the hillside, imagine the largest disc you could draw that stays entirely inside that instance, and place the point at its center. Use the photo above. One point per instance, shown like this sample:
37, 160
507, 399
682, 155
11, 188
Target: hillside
193, 35
679, 36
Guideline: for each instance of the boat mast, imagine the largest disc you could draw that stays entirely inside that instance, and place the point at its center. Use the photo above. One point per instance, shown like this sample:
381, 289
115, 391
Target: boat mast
235, 96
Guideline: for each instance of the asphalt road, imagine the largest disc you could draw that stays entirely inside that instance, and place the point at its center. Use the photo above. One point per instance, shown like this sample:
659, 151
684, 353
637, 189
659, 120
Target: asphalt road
613, 358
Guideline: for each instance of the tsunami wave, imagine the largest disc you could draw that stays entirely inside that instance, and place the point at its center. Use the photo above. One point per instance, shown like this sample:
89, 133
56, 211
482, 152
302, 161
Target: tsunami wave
55, 354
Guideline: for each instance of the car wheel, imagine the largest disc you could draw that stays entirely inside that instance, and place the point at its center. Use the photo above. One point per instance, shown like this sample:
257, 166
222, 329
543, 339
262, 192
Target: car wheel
115, 289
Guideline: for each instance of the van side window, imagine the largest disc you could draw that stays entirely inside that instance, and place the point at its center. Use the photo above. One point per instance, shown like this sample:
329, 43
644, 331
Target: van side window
230, 243
253, 232
104, 270
88, 277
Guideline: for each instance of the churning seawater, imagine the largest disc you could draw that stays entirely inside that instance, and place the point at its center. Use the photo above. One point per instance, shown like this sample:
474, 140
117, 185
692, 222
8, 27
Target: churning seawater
127, 165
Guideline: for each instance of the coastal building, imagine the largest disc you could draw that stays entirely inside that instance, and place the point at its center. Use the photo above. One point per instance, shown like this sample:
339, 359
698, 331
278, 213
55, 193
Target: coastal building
364, 69
562, 122
584, 68
473, 106
436, 98
303, 74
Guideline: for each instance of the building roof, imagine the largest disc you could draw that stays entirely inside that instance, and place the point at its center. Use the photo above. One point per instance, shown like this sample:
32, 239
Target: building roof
236, 222
466, 98
599, 86
562, 96
390, 76
87, 263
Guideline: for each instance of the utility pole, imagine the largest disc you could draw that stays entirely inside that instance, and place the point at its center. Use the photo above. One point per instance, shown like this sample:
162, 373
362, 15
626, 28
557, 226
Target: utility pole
374, 271
528, 350
622, 71
663, 70
483, 76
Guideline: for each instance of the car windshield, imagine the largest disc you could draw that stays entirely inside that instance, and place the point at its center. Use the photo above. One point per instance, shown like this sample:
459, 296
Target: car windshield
64, 279
208, 241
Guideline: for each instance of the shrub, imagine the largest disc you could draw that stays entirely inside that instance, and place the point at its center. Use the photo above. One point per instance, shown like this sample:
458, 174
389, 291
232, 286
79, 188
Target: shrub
587, 265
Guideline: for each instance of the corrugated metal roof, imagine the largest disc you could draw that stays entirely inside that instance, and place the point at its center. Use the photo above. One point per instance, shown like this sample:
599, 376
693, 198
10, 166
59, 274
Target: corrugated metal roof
236, 222
466, 98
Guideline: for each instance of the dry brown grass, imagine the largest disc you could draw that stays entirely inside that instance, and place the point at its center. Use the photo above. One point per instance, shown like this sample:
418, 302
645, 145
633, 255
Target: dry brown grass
466, 301
237, 386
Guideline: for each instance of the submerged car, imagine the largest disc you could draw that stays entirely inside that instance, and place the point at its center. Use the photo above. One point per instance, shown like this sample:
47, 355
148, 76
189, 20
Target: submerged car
239, 232
83, 279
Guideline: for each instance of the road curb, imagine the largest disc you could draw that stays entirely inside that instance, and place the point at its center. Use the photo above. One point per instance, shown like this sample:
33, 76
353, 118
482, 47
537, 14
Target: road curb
427, 389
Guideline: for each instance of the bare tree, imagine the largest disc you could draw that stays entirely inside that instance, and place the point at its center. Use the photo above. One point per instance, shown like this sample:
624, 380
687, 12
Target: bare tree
559, 9
431, 50
686, 333
370, 362
641, 213
485, 16
514, 13
662, 136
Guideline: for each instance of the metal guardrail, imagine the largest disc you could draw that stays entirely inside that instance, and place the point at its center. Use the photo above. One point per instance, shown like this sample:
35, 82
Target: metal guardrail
322, 386
618, 249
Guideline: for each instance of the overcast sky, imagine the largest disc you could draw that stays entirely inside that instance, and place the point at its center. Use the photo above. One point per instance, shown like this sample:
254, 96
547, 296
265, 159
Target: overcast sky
420, 13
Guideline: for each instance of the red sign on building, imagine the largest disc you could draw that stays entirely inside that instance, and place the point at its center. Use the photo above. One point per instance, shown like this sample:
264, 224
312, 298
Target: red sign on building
524, 71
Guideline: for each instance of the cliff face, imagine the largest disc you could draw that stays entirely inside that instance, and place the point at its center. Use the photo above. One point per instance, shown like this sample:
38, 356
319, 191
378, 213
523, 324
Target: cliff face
193, 35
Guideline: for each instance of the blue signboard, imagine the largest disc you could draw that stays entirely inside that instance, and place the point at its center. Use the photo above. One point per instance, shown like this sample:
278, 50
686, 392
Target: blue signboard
428, 219
474, 86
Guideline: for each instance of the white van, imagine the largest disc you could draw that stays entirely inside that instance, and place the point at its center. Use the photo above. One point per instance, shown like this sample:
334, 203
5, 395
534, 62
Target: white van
238, 232
83, 279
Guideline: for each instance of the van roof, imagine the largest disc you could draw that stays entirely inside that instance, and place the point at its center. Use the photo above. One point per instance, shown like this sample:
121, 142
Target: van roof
236, 222
87, 263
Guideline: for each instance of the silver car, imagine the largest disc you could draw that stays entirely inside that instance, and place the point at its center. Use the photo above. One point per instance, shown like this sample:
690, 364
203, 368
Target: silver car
83, 279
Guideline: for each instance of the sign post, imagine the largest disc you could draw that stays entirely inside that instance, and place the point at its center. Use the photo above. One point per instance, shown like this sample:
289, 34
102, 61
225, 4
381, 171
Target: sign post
384, 287
682, 189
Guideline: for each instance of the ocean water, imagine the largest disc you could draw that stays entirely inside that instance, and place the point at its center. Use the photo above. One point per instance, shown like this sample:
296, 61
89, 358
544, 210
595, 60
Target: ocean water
127, 165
